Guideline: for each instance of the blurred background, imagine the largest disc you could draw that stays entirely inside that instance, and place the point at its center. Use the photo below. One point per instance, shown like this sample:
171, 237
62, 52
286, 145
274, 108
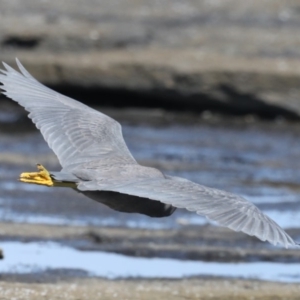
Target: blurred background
206, 90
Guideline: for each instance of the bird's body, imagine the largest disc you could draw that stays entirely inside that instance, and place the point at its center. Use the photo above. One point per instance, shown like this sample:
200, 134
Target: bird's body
96, 162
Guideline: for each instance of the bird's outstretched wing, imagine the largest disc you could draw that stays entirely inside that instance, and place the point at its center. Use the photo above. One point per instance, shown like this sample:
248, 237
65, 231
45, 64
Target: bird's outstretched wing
226, 209
75, 132
78, 134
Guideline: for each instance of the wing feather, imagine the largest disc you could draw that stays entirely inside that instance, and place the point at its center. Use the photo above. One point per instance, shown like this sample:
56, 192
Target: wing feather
225, 208
75, 132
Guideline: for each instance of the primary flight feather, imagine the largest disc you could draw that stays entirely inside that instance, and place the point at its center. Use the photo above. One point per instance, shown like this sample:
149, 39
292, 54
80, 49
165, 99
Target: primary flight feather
97, 163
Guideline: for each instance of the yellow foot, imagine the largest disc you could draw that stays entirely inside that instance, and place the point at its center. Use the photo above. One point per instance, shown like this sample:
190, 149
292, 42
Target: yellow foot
42, 177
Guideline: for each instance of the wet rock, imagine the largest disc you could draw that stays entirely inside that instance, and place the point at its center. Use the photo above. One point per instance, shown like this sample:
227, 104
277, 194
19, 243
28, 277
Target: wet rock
229, 56
206, 243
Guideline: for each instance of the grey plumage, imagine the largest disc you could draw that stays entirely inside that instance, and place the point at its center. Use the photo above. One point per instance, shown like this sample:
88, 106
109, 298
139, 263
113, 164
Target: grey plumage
92, 152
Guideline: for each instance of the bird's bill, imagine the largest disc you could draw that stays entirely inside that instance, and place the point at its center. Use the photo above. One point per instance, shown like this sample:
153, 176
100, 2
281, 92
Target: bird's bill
43, 177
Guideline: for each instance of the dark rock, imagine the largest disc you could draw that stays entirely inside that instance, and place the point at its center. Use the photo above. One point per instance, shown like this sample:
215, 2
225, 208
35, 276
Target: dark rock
233, 57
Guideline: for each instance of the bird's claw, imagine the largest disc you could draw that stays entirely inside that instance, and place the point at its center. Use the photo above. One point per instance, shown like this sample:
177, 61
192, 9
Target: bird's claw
42, 177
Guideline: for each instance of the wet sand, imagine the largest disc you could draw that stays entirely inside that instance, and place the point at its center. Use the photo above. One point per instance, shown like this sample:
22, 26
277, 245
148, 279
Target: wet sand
36, 288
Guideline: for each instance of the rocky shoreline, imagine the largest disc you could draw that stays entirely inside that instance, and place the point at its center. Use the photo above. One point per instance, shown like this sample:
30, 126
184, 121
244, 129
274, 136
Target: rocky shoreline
230, 56
76, 284
207, 243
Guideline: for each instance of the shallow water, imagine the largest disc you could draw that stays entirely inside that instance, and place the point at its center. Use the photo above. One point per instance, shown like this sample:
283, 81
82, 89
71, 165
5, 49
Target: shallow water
261, 163
286, 218
38, 257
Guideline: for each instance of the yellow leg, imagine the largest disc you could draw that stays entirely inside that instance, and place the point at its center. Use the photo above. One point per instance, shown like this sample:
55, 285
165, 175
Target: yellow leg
42, 177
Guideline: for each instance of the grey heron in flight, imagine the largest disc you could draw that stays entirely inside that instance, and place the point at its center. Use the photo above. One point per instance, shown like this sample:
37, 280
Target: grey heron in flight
97, 163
